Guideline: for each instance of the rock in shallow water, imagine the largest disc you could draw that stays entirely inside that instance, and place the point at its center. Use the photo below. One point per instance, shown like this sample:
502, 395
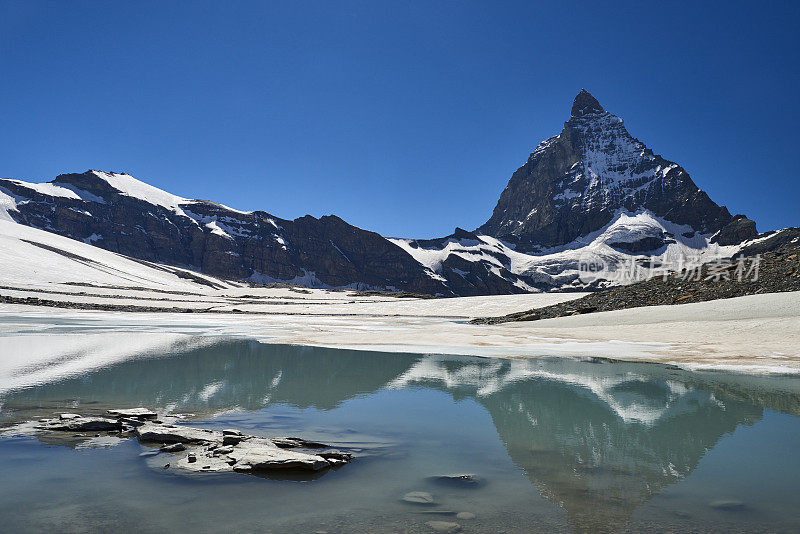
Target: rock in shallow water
419, 497
444, 526
176, 434
728, 505
466, 480
231, 450
208, 450
81, 424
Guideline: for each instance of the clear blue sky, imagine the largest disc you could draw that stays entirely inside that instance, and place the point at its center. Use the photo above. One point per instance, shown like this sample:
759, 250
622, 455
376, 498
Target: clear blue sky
406, 118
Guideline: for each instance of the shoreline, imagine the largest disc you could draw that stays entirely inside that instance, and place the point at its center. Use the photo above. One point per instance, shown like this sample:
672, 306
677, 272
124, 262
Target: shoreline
757, 334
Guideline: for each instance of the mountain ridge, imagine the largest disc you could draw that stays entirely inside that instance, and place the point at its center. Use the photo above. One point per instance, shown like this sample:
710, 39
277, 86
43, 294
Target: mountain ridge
591, 194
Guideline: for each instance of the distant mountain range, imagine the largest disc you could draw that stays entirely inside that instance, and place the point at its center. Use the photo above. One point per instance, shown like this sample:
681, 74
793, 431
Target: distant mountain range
592, 194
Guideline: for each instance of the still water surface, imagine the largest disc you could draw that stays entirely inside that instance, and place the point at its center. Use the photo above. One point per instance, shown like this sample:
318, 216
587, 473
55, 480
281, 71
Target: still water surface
561, 445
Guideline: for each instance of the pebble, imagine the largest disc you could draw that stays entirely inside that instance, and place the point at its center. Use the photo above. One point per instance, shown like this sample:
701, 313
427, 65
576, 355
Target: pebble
444, 526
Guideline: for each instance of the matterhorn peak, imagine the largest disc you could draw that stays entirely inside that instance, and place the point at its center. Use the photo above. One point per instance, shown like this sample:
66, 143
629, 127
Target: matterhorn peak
585, 103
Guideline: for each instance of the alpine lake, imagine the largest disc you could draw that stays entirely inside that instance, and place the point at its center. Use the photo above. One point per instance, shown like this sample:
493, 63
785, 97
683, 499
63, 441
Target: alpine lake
550, 445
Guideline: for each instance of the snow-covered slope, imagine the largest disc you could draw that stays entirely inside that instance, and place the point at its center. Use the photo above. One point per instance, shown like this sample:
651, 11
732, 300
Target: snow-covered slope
599, 259
121, 214
32, 258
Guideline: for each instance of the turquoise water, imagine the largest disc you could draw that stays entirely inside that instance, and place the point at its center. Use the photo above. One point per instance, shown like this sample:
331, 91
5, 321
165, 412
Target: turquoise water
561, 445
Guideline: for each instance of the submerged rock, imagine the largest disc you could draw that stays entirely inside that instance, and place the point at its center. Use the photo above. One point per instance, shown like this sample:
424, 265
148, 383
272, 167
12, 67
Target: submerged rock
728, 505
418, 497
444, 526
462, 479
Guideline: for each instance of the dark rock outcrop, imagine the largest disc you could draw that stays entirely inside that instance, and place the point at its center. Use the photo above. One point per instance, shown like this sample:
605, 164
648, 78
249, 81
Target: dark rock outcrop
214, 239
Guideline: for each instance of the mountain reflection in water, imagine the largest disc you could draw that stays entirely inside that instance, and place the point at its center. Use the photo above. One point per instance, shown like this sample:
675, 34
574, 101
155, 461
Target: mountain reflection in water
596, 438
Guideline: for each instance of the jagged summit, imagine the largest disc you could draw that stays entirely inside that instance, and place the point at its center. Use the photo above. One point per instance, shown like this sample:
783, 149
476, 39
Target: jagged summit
579, 181
585, 103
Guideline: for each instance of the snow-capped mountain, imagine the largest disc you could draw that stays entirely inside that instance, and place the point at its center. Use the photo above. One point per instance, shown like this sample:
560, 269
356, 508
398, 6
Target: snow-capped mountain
578, 181
591, 196
591, 207
119, 213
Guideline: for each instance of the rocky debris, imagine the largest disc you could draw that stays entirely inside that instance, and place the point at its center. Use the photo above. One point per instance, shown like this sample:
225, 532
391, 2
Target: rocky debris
418, 497
231, 450
206, 450
464, 480
444, 526
778, 271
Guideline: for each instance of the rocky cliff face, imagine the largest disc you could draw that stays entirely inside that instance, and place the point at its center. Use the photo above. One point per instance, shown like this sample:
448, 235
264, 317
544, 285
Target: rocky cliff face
121, 214
576, 182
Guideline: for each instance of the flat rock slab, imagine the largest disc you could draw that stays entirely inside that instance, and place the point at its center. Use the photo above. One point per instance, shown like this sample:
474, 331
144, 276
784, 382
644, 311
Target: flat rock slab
177, 434
135, 413
81, 424
728, 505
269, 458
